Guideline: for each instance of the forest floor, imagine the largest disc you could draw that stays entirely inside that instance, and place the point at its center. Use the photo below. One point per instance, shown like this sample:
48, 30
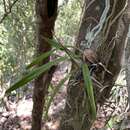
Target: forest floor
18, 114
18, 117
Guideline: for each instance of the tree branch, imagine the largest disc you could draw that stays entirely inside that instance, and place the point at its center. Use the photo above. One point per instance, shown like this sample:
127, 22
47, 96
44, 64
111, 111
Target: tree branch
7, 12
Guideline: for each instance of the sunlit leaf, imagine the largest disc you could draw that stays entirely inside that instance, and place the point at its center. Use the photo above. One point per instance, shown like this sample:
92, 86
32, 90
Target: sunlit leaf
89, 89
34, 74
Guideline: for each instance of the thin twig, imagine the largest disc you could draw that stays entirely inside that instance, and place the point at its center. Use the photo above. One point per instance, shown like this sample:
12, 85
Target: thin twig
8, 12
4, 2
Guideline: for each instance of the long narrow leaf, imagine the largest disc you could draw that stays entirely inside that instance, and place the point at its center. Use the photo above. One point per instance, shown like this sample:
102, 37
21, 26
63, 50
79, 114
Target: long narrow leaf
34, 74
54, 43
39, 59
89, 89
55, 92
59, 46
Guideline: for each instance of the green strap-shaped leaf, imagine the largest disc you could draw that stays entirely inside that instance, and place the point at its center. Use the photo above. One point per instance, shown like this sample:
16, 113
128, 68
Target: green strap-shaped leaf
59, 46
60, 84
34, 74
38, 59
54, 43
89, 89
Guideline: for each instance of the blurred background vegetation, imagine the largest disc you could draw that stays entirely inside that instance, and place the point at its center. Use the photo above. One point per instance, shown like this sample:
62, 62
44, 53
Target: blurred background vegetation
17, 41
17, 35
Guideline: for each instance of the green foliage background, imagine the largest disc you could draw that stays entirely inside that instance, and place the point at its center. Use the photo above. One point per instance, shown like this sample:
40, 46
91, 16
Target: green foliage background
18, 35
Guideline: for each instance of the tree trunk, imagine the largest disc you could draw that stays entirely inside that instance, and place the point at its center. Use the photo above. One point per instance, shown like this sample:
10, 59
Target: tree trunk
111, 51
109, 44
127, 61
46, 12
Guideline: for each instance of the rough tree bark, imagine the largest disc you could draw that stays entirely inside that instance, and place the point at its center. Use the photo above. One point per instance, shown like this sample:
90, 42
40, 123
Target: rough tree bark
127, 58
46, 12
127, 63
111, 56
109, 45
